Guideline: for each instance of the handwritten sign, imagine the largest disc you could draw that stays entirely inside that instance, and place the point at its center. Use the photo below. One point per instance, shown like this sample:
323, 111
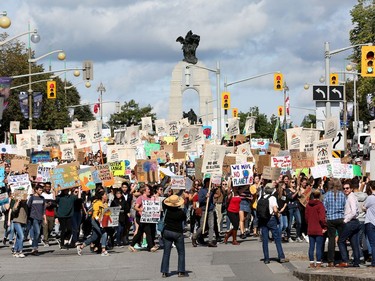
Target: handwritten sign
40, 156
242, 174
111, 217
65, 176
117, 168
105, 174
283, 162
271, 173
302, 160
178, 182
151, 211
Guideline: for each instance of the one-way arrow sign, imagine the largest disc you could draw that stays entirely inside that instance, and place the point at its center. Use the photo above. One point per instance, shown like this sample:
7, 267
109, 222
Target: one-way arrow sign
320, 93
336, 93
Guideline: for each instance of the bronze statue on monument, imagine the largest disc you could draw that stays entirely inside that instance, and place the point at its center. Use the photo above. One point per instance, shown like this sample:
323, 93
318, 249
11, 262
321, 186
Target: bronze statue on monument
189, 45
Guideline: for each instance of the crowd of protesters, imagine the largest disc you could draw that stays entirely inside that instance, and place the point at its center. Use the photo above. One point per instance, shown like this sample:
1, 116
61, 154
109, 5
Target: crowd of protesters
339, 211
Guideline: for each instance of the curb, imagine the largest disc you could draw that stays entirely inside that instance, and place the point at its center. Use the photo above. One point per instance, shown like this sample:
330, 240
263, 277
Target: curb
307, 276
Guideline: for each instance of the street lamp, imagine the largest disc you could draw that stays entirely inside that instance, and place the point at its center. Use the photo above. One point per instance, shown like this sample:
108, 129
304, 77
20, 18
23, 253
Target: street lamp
87, 85
5, 22
101, 89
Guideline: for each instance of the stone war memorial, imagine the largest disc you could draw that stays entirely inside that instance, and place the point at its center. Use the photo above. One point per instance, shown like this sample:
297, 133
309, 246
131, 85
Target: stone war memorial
190, 73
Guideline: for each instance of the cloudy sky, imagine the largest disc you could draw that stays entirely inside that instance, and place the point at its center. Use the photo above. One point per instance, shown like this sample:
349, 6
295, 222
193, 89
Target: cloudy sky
133, 45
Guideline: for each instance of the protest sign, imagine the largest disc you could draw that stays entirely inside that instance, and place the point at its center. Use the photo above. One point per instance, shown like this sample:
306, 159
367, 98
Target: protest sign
44, 171
149, 147
249, 126
283, 162
23, 141
65, 176
271, 173
342, 171
147, 171
308, 137
18, 165
81, 138
233, 126
67, 151
49, 138
274, 149
305, 196
294, 137
117, 168
105, 174
40, 156
261, 144
86, 179
322, 151
331, 125
190, 168
178, 182
132, 137
4, 199
14, 127
213, 159
32, 169
320, 171
151, 211
178, 154
262, 161
227, 162
244, 149
198, 162
242, 174
95, 131
111, 217
20, 182
20, 194
186, 139
302, 160
159, 155
160, 126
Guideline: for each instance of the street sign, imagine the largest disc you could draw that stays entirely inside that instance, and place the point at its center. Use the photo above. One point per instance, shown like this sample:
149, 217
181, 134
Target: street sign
336, 93
338, 142
320, 93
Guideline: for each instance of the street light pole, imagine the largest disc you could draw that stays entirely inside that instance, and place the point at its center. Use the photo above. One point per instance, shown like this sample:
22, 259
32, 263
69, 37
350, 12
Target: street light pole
101, 89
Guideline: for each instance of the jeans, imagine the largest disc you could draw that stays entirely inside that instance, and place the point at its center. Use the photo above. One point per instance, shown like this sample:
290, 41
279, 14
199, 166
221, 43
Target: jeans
76, 225
315, 241
178, 238
119, 230
9, 232
255, 218
35, 232
296, 214
363, 240
272, 226
370, 232
97, 232
351, 232
18, 229
210, 220
283, 223
333, 226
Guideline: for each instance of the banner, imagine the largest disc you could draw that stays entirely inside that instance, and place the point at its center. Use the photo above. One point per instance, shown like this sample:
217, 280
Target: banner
24, 104
5, 90
242, 174
151, 211
213, 158
322, 151
37, 104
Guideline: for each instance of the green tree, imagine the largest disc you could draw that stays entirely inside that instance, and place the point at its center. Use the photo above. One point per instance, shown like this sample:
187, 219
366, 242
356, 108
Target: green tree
309, 121
130, 114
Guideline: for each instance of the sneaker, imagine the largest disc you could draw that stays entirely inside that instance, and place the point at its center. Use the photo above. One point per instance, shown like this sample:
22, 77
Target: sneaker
45, 243
35, 253
79, 250
305, 237
20, 255
105, 254
132, 249
283, 260
299, 240
290, 240
30, 242
137, 247
15, 255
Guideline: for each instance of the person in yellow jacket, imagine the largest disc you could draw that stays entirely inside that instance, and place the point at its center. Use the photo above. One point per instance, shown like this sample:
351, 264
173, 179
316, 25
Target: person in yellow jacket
98, 207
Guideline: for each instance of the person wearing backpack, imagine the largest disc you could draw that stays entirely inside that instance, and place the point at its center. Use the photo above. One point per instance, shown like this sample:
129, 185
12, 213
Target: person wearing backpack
268, 216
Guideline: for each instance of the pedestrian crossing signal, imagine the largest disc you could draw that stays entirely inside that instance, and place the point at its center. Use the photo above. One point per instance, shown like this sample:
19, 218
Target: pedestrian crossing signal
51, 89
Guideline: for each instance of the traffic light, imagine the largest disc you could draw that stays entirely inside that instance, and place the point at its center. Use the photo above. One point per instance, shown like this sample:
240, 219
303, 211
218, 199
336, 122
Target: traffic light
367, 61
51, 89
88, 70
278, 82
225, 100
280, 110
234, 112
333, 79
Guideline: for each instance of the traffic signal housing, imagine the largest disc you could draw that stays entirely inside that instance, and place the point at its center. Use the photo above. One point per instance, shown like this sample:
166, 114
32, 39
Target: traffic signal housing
280, 111
51, 89
225, 100
333, 79
234, 112
278, 82
367, 61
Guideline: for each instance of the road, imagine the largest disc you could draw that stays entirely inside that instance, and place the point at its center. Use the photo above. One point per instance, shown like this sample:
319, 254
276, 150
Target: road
226, 262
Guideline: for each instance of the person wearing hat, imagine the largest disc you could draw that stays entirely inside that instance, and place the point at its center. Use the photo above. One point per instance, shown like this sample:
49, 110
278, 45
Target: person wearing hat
271, 225
174, 216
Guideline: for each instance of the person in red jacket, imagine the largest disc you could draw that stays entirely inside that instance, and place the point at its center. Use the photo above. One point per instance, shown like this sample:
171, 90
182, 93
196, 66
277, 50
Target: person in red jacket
316, 227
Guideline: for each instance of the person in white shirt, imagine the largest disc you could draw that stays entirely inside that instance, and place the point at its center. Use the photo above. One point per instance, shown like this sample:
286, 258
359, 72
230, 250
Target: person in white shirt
351, 228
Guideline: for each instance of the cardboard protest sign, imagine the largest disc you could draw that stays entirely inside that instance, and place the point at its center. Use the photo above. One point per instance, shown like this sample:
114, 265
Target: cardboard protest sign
151, 211
178, 182
111, 217
117, 168
305, 196
283, 162
105, 174
274, 149
308, 137
188, 184
322, 151
178, 154
86, 179
331, 126
242, 174
20, 194
271, 173
18, 165
262, 161
227, 162
67, 151
40, 156
213, 159
294, 137
186, 139
159, 155
32, 169
65, 176
147, 171
81, 138
302, 160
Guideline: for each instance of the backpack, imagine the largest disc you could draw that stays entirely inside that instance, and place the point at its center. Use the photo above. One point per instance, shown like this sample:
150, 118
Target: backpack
263, 209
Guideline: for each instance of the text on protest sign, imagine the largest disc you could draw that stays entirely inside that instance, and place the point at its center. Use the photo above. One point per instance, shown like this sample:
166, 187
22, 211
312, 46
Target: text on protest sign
242, 174
111, 217
65, 176
178, 182
151, 211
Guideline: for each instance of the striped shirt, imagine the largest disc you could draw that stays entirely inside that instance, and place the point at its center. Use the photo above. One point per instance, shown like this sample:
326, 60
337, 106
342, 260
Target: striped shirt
335, 207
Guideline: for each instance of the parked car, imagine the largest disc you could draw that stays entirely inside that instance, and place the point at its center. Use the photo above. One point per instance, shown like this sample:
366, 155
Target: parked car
356, 148
367, 148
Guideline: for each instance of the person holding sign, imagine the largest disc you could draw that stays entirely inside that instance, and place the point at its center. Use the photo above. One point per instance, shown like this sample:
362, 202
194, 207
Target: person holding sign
19, 216
99, 205
173, 232
233, 202
36, 205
